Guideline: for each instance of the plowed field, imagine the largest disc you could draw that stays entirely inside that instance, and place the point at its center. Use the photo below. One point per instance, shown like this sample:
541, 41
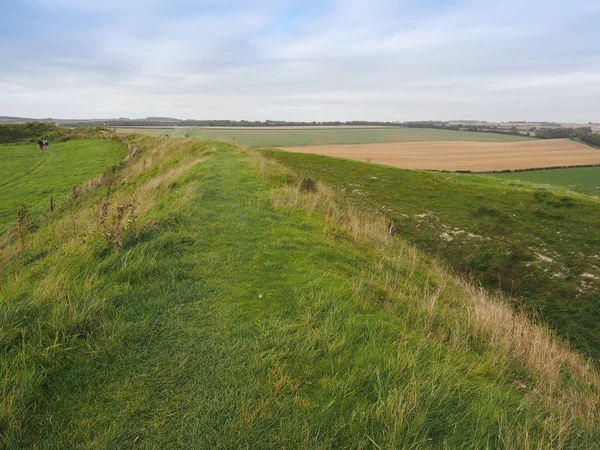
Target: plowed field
462, 155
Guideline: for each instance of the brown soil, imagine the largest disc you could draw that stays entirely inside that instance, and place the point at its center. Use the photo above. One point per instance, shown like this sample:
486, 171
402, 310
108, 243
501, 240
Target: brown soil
462, 155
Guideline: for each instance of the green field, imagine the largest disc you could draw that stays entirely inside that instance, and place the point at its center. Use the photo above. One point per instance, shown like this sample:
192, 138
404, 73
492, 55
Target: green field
29, 176
542, 245
281, 138
227, 312
580, 179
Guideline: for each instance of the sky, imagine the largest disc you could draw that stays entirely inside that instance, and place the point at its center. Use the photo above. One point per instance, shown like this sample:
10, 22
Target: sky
391, 60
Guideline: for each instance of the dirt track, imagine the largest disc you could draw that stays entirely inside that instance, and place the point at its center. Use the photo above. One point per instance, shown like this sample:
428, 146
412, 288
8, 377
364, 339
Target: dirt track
461, 155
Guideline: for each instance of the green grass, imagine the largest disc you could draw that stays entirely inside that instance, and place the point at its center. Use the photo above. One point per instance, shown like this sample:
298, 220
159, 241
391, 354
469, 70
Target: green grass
227, 322
30, 176
280, 138
580, 179
156, 132
541, 245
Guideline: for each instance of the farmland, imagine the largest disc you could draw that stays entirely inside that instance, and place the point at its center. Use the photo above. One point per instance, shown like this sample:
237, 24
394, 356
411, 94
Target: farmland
473, 156
29, 176
237, 309
154, 131
313, 136
541, 245
580, 179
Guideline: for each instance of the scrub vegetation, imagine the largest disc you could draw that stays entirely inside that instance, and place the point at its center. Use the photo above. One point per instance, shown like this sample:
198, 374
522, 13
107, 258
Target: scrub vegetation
211, 298
30, 132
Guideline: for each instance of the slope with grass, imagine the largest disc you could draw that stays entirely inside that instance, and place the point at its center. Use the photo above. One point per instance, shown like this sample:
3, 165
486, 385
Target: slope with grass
580, 179
29, 176
294, 137
543, 245
229, 309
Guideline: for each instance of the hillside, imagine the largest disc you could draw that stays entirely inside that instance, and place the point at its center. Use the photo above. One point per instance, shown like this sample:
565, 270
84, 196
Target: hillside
209, 298
537, 243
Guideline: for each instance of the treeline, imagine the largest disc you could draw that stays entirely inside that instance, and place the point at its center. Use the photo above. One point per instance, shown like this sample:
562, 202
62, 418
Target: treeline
591, 139
583, 134
219, 123
479, 128
561, 133
541, 124
30, 132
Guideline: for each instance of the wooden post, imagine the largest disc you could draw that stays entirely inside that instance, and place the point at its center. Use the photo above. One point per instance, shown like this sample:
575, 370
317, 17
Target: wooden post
51, 204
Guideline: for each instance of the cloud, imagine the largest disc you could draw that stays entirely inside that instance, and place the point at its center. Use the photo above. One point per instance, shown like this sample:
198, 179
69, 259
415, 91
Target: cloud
309, 60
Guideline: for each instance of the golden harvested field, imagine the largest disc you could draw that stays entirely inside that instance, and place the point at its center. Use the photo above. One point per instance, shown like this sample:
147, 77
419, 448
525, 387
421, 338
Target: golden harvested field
462, 155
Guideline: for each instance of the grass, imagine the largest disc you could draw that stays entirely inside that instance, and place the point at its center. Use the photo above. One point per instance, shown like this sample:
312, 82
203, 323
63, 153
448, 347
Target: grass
156, 132
580, 179
541, 245
241, 312
30, 176
280, 138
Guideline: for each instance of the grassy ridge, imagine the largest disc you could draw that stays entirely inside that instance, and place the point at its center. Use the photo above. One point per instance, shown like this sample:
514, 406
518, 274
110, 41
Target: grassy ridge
539, 244
275, 137
30, 176
240, 312
580, 179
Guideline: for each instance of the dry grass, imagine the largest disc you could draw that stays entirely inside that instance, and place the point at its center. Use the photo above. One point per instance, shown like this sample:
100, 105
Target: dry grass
560, 379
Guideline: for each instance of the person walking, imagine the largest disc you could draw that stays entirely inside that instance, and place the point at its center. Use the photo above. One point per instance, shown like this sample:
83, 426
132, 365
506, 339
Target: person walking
41, 144
46, 145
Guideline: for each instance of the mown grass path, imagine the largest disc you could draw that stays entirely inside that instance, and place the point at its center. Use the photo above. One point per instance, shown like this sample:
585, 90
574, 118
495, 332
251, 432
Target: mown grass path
201, 329
235, 326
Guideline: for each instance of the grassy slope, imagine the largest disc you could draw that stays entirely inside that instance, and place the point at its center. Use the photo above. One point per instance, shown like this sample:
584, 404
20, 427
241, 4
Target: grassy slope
230, 323
581, 179
30, 176
274, 138
540, 244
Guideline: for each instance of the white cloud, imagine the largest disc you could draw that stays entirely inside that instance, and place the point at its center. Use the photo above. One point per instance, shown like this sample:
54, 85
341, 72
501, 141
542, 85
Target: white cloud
374, 60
